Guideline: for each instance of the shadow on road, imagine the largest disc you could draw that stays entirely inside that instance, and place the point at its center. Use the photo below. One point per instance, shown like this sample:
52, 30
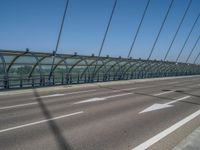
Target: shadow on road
60, 140
183, 92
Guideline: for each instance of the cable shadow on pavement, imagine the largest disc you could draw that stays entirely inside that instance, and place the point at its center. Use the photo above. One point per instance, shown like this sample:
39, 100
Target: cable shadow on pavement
183, 92
60, 139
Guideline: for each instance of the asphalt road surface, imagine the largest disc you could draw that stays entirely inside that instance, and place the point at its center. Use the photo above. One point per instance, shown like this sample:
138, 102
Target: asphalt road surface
128, 116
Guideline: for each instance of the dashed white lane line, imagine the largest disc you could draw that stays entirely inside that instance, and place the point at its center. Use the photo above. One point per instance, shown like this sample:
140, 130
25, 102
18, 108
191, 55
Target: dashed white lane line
64, 94
20, 105
46, 96
18, 92
177, 100
173, 83
39, 122
129, 89
56, 95
53, 95
166, 132
167, 92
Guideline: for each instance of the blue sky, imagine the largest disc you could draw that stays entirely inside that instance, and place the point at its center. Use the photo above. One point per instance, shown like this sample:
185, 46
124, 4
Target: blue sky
34, 24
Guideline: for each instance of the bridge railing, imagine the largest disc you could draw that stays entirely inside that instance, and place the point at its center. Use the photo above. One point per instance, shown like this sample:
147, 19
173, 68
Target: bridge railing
74, 78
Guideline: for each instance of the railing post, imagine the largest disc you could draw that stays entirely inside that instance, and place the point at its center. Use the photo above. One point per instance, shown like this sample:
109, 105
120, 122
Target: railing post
41, 81
131, 75
33, 84
21, 82
78, 80
53, 79
89, 79
98, 77
67, 78
70, 78
62, 81
109, 77
6, 82
85, 79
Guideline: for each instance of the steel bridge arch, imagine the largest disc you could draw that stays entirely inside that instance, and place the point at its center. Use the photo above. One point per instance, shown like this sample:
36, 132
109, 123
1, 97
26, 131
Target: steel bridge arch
153, 66
36, 64
170, 68
63, 59
140, 62
4, 64
90, 65
79, 61
111, 67
103, 65
141, 65
24, 54
123, 67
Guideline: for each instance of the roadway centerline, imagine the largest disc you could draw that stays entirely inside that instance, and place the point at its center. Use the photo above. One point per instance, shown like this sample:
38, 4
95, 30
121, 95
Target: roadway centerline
166, 132
39, 122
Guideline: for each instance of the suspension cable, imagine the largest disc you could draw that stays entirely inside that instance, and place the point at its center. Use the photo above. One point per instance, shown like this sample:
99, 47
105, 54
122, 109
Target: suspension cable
196, 58
107, 28
138, 29
192, 49
180, 24
59, 35
187, 38
152, 49
105, 35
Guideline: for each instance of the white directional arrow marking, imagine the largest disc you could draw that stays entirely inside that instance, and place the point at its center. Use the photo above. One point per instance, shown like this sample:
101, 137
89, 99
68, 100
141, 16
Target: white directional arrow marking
162, 106
101, 98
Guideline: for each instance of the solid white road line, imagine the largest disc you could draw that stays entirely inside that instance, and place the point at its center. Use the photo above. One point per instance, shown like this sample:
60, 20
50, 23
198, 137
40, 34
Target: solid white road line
101, 98
166, 132
41, 121
167, 92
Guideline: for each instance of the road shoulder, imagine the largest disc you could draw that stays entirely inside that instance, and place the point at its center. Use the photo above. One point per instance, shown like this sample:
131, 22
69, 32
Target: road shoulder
191, 142
173, 140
